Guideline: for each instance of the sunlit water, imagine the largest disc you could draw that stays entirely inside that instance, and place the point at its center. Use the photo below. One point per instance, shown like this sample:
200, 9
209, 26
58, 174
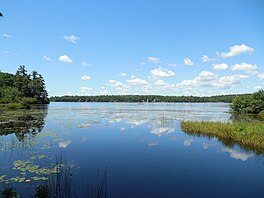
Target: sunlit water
127, 149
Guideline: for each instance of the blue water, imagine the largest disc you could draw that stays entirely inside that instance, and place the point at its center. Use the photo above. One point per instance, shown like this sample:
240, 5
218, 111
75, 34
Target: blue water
137, 150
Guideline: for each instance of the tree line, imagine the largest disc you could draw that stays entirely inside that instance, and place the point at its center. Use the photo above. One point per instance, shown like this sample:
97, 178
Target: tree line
249, 104
23, 87
143, 98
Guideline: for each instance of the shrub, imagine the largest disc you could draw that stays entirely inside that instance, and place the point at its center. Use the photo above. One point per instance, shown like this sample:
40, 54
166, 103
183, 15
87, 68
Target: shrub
249, 104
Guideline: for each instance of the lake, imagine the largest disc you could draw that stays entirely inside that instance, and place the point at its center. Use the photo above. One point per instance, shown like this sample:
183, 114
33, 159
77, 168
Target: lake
119, 150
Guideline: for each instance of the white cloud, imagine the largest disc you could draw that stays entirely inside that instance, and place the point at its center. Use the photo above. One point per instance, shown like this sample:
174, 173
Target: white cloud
258, 87
244, 67
119, 86
65, 58
261, 76
209, 79
137, 82
86, 90
122, 74
172, 65
71, 38
85, 64
252, 72
163, 86
226, 82
6, 35
147, 89
238, 155
160, 72
154, 59
205, 58
206, 76
188, 61
160, 83
237, 50
47, 58
86, 77
221, 66
142, 63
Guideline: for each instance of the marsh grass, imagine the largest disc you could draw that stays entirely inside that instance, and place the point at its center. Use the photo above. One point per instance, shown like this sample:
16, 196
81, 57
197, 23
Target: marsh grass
249, 135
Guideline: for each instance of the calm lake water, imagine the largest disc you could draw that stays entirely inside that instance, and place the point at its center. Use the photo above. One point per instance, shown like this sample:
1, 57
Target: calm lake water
123, 150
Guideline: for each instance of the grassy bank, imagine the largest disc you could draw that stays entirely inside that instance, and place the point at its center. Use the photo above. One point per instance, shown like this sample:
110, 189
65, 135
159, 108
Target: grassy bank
247, 135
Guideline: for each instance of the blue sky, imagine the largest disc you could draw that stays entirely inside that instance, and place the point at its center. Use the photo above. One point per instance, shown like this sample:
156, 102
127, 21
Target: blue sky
166, 47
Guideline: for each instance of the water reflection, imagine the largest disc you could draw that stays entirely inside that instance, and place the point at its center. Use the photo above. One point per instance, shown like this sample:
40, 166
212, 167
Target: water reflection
23, 122
147, 153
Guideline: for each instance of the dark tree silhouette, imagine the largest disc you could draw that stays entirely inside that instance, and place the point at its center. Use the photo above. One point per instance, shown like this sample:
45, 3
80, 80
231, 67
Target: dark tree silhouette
1, 15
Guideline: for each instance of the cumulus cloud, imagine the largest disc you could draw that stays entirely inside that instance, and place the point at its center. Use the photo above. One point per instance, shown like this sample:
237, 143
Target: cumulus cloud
119, 86
86, 77
71, 38
65, 58
163, 86
258, 87
86, 90
206, 76
85, 64
261, 76
221, 66
160, 72
205, 58
226, 82
137, 82
244, 67
154, 59
237, 50
47, 58
6, 35
188, 61
209, 79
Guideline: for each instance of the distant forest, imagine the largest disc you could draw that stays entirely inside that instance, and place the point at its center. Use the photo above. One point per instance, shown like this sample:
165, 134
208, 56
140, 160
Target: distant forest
145, 98
22, 87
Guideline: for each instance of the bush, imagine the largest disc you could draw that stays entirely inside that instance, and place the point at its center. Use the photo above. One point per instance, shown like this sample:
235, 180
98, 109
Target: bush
249, 104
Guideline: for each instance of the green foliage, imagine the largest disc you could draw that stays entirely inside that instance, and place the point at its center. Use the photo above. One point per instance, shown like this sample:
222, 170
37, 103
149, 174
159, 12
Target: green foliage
143, 98
42, 191
23, 88
246, 134
249, 104
9, 193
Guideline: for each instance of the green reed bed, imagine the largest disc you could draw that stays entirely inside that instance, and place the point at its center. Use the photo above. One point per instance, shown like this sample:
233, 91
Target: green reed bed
248, 135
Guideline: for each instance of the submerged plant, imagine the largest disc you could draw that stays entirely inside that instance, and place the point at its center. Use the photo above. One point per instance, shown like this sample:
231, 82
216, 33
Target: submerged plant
42, 191
9, 193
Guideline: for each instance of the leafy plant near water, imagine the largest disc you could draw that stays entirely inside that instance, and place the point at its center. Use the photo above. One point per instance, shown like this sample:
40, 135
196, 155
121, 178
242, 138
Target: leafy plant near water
9, 193
249, 104
247, 135
28, 167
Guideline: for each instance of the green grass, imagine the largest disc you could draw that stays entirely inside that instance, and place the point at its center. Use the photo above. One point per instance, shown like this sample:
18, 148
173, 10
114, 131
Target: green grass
246, 135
